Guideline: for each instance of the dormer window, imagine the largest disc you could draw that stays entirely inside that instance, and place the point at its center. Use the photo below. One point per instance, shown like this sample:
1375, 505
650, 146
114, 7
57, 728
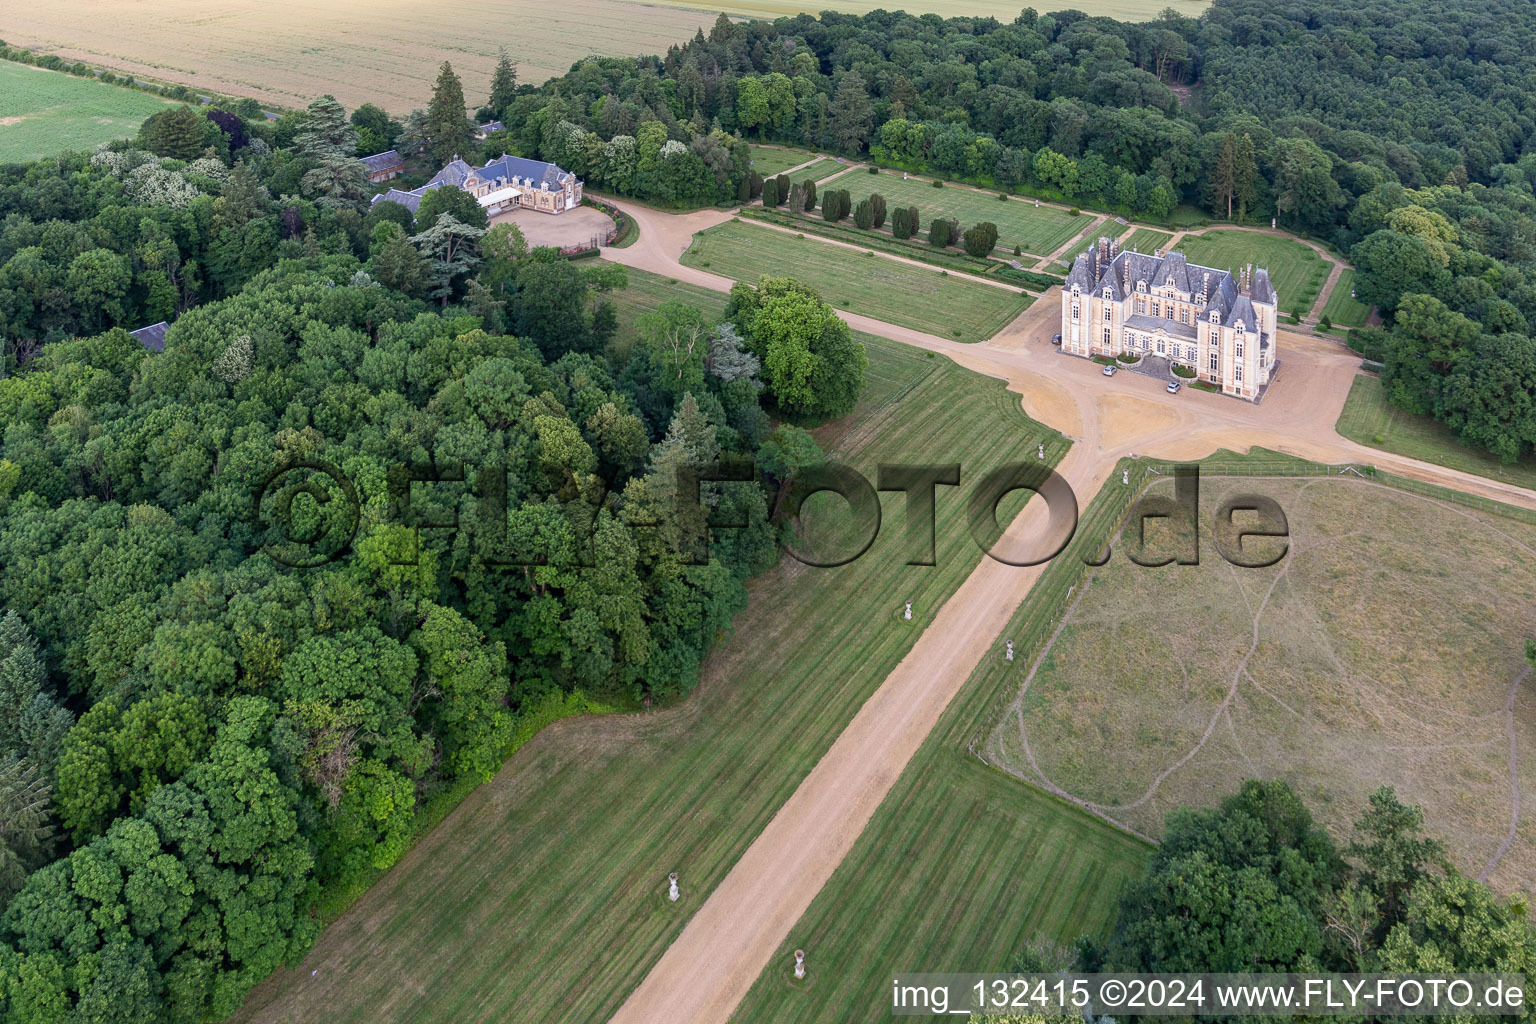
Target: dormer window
1141, 286
1108, 293
1215, 318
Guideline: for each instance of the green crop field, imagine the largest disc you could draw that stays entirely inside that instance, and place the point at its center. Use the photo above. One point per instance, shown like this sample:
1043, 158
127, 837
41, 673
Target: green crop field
543, 895
1369, 419
1386, 646
45, 112
898, 293
1342, 308
1040, 231
770, 160
1147, 240
1296, 271
962, 865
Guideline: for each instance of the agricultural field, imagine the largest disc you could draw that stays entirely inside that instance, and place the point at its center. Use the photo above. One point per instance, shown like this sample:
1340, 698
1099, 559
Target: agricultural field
387, 52
1296, 271
897, 293
1342, 308
43, 112
543, 895
770, 160
1349, 664
1019, 223
1369, 419
1147, 240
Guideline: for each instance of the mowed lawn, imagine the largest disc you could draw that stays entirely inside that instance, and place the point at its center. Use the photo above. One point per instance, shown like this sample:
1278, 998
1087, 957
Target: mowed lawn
1343, 309
897, 293
770, 160
1084, 243
543, 896
46, 112
1019, 223
962, 865
1367, 416
1296, 271
1146, 240
826, 167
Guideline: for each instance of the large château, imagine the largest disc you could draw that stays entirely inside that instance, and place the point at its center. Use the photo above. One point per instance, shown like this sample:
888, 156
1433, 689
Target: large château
1219, 325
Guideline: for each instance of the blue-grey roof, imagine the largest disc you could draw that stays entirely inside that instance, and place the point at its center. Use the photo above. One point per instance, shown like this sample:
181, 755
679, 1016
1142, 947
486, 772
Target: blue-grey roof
491, 126
543, 175
409, 200
382, 161
151, 337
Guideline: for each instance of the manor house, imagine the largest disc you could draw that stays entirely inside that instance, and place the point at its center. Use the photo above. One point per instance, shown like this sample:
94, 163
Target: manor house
1159, 305
506, 183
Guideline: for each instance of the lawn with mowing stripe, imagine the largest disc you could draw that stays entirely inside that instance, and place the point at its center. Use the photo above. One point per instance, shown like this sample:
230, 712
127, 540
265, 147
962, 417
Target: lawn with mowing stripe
543, 896
1083, 244
770, 160
1040, 231
1296, 271
1146, 240
826, 167
898, 293
962, 865
1343, 308
1368, 416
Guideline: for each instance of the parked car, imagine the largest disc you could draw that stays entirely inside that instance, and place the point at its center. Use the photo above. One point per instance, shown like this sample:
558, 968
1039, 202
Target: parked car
1055, 339
1109, 371
1174, 387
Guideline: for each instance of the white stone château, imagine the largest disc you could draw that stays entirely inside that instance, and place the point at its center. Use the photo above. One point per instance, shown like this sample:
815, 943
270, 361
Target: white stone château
1220, 326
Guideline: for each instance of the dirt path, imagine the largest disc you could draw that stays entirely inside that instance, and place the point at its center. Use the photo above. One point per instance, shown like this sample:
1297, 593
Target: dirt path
709, 968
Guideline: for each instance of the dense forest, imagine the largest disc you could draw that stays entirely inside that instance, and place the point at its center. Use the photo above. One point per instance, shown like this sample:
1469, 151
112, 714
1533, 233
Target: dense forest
388, 499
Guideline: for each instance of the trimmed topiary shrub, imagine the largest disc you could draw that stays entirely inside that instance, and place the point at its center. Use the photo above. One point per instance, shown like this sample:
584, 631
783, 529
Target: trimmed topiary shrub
877, 201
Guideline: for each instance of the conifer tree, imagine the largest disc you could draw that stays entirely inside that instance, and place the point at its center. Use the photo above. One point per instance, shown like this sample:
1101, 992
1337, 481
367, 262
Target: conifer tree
503, 84
447, 128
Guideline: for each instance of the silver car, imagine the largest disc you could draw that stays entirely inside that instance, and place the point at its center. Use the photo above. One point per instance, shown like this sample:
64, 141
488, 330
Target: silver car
1111, 370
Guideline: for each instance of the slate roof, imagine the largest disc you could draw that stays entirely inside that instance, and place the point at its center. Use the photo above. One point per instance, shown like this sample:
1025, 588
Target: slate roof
409, 200
491, 126
384, 161
1091, 274
544, 175
151, 337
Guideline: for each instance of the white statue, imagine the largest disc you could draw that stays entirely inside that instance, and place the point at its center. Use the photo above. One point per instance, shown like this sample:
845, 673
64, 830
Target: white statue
1125, 476
1010, 650
1041, 453
800, 963
1037, 204
672, 893
908, 615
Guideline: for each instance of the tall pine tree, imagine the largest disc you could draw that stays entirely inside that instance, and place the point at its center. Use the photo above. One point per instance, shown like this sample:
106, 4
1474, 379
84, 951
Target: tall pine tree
503, 85
448, 130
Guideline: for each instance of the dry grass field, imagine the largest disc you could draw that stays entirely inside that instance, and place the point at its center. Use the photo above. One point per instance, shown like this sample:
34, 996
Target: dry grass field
1386, 647
387, 51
